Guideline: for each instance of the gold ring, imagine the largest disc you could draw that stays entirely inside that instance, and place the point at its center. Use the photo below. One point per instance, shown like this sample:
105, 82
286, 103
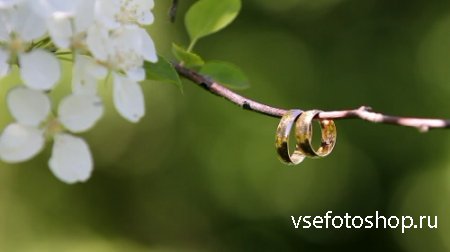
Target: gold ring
282, 138
304, 134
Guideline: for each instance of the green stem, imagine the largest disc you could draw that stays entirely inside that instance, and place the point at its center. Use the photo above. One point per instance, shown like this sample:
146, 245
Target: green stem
63, 53
191, 45
40, 42
65, 59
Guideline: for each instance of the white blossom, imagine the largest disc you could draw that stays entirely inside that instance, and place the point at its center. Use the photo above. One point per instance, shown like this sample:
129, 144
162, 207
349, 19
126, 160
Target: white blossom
116, 13
100, 37
71, 159
66, 20
118, 43
19, 26
122, 50
22, 140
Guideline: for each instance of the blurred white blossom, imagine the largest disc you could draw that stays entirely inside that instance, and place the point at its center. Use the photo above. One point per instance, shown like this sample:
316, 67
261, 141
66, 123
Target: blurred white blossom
122, 50
19, 26
125, 52
71, 160
116, 13
66, 20
99, 37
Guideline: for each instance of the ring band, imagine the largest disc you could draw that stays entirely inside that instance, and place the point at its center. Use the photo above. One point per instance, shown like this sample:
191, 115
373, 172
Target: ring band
282, 139
304, 134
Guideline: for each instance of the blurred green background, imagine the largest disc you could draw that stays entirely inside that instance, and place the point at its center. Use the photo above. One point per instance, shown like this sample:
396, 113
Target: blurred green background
200, 174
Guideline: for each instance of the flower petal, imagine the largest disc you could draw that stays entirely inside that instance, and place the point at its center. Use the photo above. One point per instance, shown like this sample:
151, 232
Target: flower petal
5, 27
85, 75
20, 143
128, 98
79, 112
97, 42
105, 12
145, 16
148, 47
136, 74
84, 15
39, 69
61, 31
66, 18
71, 159
29, 107
54, 8
27, 24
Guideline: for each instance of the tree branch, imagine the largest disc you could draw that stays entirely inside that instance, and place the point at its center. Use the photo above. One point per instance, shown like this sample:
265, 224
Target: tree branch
173, 10
363, 112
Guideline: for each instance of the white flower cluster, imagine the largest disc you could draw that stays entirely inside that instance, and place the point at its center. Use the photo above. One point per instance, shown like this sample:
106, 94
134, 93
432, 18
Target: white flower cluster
103, 36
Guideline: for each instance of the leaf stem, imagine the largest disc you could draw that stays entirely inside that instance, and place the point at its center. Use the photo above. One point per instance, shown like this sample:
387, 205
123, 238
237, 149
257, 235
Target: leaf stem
191, 45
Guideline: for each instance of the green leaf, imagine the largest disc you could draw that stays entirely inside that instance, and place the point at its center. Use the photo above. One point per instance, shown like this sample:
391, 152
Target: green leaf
225, 73
209, 16
189, 59
162, 71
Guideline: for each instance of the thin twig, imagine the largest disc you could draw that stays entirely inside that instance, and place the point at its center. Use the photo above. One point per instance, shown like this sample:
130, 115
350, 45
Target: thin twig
363, 112
173, 10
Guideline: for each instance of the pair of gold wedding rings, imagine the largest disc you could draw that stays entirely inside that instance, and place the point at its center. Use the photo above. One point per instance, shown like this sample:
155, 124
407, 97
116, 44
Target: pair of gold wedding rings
303, 131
